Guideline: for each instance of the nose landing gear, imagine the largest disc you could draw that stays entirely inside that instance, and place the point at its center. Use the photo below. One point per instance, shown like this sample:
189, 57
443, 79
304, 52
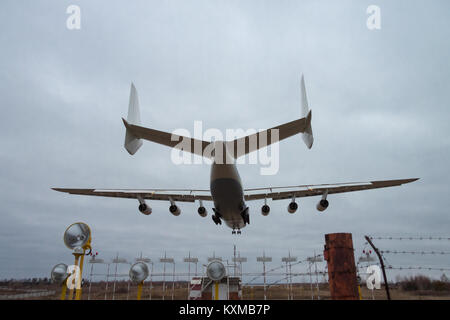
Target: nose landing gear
236, 232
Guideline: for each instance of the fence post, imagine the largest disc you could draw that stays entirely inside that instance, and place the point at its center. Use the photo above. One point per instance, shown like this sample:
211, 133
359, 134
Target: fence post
338, 253
386, 285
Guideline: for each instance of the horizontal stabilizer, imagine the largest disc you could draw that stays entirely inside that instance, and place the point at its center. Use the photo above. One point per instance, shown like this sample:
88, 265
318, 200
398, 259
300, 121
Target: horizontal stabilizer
248, 144
168, 139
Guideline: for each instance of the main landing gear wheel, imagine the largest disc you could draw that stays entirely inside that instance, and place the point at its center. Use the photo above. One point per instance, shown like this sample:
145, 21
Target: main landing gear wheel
245, 216
216, 219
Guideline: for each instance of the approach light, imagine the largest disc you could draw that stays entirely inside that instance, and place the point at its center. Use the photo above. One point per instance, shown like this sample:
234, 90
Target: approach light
77, 235
215, 270
59, 273
139, 272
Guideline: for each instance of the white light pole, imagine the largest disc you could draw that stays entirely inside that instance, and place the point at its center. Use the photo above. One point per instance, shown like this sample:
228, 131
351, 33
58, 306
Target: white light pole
164, 261
288, 261
314, 260
117, 261
214, 258
239, 260
92, 261
264, 259
190, 260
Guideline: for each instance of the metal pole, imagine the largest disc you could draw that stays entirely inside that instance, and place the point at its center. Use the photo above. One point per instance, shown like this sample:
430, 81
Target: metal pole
234, 260
90, 282
128, 292
264, 273
228, 287
164, 281
317, 277
189, 276
78, 291
290, 282
287, 281
115, 279
107, 280
382, 267
173, 280
310, 282
264, 259
151, 282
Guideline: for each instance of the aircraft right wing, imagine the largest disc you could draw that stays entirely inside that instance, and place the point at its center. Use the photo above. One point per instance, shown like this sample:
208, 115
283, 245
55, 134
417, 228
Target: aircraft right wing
277, 193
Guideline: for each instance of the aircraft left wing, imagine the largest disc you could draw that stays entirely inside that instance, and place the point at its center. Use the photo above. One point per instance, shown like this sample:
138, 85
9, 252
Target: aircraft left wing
279, 193
182, 195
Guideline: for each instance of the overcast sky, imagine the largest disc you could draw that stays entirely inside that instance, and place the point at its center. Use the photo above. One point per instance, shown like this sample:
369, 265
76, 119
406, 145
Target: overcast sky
380, 111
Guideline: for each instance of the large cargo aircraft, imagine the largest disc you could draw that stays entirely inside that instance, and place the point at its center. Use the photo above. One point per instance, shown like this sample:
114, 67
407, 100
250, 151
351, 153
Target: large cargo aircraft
226, 191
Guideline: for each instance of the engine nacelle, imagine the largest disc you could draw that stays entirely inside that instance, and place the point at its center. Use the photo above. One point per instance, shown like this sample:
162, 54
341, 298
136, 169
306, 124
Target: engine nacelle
265, 209
292, 207
173, 209
322, 205
202, 211
145, 209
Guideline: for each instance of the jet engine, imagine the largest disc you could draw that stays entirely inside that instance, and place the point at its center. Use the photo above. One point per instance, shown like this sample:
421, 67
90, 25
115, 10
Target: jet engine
145, 209
322, 205
202, 211
174, 209
265, 209
292, 207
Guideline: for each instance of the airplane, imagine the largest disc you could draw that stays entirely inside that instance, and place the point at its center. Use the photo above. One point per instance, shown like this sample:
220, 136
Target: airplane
226, 190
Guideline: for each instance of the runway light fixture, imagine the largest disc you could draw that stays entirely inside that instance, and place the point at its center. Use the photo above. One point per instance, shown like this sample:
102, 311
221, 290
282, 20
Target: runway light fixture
59, 275
77, 237
138, 273
216, 270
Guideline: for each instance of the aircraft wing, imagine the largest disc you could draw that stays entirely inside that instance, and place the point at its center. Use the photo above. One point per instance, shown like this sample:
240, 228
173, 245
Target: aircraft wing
181, 195
279, 193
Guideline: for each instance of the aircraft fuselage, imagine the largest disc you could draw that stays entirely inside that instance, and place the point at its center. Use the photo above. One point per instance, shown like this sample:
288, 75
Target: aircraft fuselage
228, 195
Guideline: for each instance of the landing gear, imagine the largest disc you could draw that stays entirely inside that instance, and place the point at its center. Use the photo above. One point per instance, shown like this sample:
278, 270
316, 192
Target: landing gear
216, 219
245, 216
236, 232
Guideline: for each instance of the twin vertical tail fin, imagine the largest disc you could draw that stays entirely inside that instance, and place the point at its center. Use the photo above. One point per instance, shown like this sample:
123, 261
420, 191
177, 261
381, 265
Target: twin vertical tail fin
307, 135
132, 143
135, 133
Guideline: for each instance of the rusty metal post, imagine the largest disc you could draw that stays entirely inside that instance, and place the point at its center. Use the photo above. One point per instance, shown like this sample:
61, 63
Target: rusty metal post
340, 258
386, 284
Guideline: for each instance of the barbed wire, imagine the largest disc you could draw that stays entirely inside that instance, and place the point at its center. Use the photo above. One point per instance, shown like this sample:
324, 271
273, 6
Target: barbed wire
417, 268
415, 252
410, 238
268, 272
